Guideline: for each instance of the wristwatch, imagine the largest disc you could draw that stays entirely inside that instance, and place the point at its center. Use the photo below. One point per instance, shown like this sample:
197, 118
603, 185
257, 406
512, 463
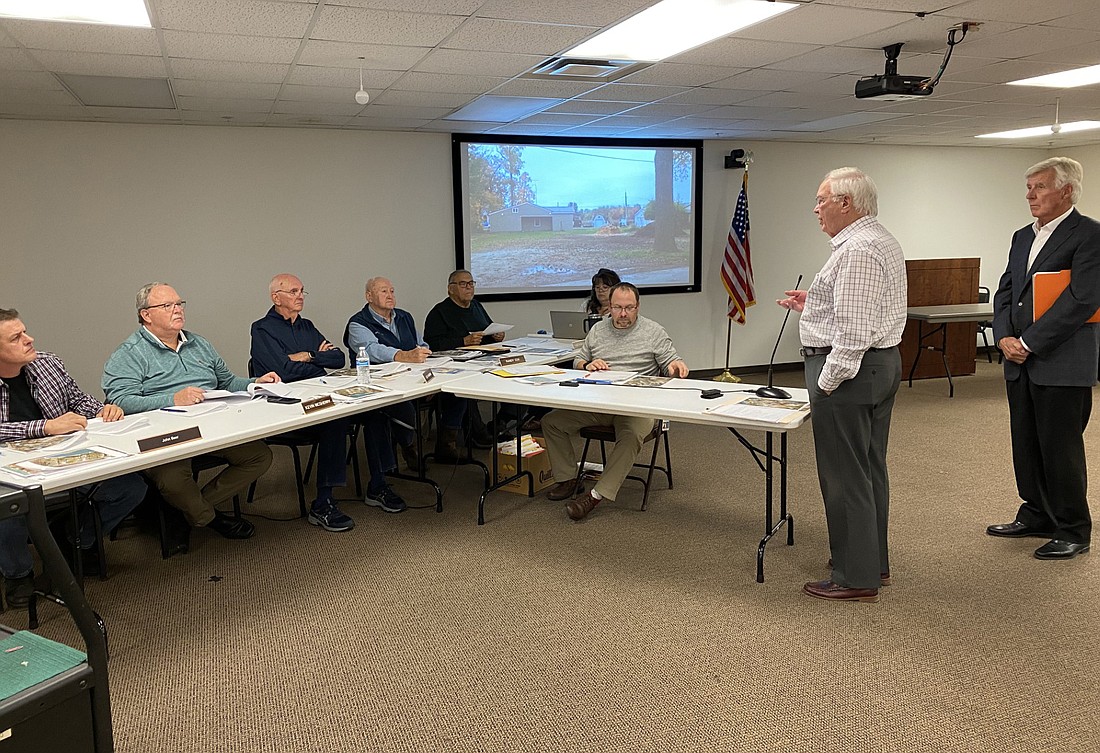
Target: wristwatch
312, 355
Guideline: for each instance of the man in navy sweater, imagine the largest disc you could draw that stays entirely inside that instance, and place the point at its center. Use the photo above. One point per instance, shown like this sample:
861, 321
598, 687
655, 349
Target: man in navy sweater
289, 344
389, 334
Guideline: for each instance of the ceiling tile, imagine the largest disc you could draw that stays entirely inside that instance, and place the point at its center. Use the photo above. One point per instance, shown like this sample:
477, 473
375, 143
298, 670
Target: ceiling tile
442, 82
477, 63
634, 92
101, 64
346, 108
678, 74
362, 25
231, 47
454, 7
531, 87
50, 35
820, 25
250, 17
309, 75
224, 89
37, 96
1087, 19
225, 105
385, 111
578, 12
27, 80
422, 99
742, 53
1027, 41
1017, 11
15, 59
591, 107
769, 79
221, 70
347, 55
513, 36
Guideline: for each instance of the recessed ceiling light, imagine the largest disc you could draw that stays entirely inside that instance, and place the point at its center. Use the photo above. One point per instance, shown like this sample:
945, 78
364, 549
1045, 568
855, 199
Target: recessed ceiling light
1047, 130
672, 26
1063, 80
113, 12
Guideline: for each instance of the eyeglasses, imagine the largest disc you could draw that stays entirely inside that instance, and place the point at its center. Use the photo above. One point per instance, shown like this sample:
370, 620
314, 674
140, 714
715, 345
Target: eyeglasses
623, 309
293, 292
465, 283
823, 199
167, 306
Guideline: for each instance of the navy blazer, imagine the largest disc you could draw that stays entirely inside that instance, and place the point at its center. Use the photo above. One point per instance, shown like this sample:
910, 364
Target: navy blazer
1064, 349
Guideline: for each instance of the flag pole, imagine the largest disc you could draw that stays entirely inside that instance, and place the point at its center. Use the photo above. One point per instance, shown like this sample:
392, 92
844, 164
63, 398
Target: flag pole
726, 376
742, 159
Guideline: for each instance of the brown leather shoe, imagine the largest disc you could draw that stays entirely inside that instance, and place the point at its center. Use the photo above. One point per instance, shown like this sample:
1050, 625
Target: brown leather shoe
826, 589
564, 490
581, 506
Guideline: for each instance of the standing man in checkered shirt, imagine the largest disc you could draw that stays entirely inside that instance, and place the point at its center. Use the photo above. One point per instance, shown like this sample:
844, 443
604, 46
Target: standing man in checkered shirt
852, 319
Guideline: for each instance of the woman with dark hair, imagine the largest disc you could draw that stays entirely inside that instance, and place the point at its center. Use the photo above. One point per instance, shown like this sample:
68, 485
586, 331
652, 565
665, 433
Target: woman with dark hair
599, 299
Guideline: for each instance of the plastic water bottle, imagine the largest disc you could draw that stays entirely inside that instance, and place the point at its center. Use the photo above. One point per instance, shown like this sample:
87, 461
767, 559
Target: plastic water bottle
362, 366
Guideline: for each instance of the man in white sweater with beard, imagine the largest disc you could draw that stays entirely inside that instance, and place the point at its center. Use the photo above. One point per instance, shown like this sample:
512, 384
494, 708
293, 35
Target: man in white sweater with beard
625, 342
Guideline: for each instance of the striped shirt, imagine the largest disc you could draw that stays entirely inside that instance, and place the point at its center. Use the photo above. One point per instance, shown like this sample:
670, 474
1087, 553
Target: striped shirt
56, 394
857, 301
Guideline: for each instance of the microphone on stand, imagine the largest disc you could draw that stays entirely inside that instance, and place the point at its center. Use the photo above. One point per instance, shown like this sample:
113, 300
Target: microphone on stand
776, 392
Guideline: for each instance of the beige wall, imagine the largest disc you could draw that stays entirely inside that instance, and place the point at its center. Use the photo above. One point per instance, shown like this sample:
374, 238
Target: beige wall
92, 211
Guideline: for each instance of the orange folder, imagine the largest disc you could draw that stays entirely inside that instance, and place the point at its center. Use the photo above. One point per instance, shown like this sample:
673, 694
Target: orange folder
1046, 287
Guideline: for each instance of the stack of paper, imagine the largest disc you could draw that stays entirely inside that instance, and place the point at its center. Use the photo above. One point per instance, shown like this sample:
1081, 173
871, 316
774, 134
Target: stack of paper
527, 446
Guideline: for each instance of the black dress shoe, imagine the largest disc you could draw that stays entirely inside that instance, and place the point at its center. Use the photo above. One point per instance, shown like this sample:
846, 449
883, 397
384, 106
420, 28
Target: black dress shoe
1060, 550
1016, 530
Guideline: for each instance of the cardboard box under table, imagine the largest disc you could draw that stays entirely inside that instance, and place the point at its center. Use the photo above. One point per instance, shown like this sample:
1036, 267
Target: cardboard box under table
537, 463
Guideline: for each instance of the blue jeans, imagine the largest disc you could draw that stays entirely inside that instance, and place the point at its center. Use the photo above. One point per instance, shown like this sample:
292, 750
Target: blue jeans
115, 498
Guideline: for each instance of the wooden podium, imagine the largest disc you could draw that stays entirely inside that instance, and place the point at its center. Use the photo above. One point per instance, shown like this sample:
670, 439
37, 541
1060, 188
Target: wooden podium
933, 282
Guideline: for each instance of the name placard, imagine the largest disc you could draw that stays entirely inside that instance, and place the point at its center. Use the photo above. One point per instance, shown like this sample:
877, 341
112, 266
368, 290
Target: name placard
512, 360
429, 375
317, 403
169, 439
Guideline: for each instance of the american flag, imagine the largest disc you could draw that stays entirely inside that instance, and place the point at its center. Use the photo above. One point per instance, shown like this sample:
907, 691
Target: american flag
736, 261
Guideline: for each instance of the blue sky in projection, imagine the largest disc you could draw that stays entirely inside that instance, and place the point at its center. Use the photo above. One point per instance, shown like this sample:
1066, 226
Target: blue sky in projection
595, 177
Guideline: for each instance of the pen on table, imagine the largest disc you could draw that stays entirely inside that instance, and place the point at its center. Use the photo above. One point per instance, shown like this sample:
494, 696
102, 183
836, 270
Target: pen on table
175, 410
594, 381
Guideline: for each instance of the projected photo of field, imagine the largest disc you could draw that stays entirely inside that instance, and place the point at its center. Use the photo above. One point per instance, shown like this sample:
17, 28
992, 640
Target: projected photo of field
569, 258
538, 216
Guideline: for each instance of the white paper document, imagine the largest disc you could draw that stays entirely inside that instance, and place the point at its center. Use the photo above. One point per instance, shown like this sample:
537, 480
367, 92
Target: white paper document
761, 409
278, 389
496, 328
115, 428
208, 406
608, 377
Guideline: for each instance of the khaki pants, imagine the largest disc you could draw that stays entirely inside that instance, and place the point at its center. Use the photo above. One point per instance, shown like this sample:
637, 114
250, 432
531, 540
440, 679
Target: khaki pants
560, 426
247, 462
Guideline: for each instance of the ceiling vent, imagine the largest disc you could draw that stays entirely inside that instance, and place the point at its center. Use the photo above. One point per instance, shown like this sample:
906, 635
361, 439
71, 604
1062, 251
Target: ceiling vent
585, 69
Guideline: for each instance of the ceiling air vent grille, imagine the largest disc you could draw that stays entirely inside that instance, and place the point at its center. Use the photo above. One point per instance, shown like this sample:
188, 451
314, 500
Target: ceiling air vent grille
585, 69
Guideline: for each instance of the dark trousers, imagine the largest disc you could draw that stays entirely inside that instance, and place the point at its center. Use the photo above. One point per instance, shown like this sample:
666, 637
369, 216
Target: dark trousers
378, 435
851, 433
115, 497
332, 452
1048, 456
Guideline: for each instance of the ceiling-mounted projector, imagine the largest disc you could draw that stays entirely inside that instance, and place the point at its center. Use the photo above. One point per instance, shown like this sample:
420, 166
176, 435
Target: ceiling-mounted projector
890, 87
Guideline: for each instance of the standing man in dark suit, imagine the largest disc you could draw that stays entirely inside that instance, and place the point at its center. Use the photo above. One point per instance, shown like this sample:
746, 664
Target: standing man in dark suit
1050, 364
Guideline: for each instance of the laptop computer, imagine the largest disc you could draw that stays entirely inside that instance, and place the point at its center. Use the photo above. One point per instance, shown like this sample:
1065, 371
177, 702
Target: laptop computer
568, 325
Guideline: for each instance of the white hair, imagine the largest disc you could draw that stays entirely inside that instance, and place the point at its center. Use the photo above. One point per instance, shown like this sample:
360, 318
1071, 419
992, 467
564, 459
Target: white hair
857, 186
1067, 172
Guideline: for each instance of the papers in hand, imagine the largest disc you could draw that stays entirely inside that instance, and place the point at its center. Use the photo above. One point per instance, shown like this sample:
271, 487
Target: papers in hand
496, 328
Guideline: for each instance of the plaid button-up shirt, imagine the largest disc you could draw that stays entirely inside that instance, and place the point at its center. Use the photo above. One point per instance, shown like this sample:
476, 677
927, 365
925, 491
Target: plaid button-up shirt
55, 392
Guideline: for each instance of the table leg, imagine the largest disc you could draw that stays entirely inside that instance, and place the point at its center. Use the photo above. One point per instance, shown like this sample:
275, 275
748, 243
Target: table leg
766, 460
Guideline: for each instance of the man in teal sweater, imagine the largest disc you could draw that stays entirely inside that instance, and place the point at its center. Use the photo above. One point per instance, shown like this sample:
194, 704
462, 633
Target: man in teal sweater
162, 365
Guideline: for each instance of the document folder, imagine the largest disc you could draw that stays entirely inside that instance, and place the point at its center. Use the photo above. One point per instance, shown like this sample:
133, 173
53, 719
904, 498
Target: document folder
1046, 287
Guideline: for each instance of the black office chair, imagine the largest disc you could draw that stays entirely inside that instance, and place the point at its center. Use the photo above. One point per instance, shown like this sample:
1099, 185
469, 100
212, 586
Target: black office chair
292, 440
983, 297
604, 434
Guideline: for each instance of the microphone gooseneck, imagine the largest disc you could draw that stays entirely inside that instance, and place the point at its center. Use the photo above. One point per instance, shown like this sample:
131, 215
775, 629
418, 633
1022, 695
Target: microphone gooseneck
777, 393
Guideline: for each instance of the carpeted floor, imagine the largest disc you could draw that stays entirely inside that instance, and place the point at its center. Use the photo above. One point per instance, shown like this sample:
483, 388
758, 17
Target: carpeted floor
630, 631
